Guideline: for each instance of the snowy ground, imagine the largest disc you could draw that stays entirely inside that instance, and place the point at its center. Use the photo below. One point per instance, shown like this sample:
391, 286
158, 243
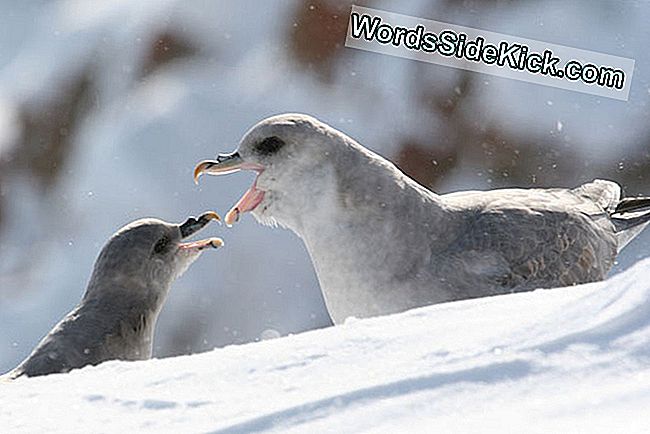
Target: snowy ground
566, 360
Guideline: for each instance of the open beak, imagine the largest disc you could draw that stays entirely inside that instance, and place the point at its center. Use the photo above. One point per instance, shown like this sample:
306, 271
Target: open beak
231, 163
192, 225
224, 164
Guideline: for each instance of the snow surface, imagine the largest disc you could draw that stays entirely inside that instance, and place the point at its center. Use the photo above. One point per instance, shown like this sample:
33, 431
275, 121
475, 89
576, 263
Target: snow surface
564, 360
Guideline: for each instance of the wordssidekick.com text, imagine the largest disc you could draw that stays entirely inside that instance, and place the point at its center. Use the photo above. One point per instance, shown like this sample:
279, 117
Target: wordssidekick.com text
503, 54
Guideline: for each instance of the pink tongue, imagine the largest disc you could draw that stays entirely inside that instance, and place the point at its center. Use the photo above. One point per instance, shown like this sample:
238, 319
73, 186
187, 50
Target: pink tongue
248, 202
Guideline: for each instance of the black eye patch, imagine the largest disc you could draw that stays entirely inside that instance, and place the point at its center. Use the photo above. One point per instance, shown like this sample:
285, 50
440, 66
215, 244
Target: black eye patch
269, 146
161, 245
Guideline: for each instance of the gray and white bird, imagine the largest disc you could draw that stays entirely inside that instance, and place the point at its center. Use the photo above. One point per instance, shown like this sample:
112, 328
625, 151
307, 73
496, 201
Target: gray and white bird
382, 243
116, 318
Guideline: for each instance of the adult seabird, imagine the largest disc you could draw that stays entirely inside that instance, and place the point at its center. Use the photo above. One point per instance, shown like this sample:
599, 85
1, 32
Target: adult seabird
382, 243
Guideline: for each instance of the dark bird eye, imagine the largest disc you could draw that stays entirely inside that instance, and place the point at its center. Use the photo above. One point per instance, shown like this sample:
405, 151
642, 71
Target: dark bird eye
161, 245
269, 146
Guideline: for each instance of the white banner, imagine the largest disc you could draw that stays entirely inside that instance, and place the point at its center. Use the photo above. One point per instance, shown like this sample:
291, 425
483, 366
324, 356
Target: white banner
491, 53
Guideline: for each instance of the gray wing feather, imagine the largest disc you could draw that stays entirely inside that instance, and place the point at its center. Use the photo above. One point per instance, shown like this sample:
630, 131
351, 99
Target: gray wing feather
605, 194
538, 238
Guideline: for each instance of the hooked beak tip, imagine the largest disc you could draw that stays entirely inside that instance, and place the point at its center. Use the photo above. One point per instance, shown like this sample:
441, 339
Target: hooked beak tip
211, 215
198, 170
222, 165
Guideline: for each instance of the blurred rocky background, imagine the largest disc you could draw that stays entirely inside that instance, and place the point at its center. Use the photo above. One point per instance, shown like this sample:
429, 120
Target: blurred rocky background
106, 106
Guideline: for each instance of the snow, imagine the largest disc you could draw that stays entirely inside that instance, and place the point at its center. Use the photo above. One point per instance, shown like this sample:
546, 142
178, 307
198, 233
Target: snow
563, 360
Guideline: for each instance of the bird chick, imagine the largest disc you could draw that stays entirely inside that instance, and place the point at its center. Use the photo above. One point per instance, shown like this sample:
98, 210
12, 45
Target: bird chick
116, 317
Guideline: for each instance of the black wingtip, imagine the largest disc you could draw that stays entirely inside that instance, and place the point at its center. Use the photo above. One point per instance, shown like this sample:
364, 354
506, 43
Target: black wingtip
632, 204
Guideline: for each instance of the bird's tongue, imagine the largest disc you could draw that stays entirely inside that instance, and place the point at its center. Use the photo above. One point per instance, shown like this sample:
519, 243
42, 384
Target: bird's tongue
248, 202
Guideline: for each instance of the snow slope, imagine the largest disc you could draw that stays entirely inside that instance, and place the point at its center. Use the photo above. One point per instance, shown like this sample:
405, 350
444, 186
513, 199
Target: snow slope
564, 360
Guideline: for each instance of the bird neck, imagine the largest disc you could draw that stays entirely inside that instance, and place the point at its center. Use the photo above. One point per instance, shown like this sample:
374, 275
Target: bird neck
354, 185
365, 227
140, 296
369, 185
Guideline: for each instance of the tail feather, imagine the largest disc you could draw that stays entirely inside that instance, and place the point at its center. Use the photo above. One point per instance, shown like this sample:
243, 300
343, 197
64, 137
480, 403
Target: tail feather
632, 204
630, 217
